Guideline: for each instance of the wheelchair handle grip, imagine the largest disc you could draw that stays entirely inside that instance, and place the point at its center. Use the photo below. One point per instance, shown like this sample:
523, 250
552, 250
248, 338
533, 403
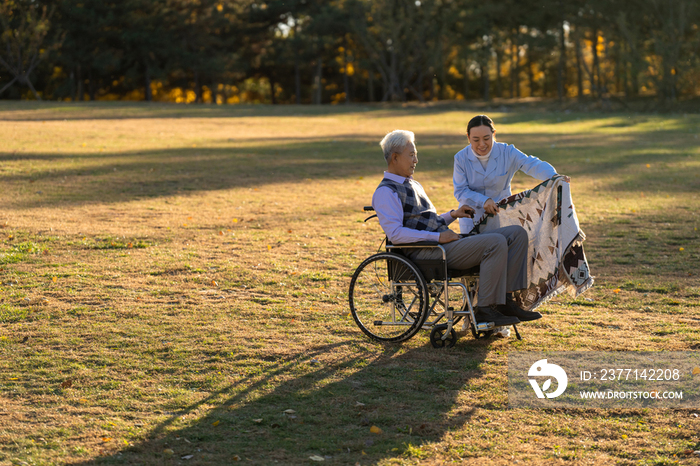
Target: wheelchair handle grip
368, 208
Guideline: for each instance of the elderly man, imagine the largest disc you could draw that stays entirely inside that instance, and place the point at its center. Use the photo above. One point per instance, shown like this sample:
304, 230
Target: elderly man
407, 216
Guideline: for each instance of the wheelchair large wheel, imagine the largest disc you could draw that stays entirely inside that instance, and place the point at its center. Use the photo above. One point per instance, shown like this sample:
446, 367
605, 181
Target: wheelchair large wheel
388, 297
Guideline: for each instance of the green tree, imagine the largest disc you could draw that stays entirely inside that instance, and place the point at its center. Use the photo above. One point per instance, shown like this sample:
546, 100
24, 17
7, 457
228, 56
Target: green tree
662, 34
399, 38
92, 51
25, 27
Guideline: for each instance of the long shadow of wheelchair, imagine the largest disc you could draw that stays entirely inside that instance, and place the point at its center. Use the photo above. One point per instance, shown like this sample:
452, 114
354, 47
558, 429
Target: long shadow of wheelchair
410, 394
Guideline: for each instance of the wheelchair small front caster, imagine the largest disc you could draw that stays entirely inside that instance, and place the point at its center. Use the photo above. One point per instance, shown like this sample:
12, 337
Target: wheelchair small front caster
484, 334
436, 337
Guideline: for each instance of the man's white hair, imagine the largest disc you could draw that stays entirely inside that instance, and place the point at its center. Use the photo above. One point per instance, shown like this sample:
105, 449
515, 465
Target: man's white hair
396, 142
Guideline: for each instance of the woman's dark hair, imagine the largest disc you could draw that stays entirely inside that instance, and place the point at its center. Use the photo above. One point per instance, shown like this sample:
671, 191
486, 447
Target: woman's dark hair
480, 120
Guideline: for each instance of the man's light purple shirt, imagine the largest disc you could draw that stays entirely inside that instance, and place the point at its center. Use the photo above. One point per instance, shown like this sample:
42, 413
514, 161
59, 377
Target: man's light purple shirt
389, 211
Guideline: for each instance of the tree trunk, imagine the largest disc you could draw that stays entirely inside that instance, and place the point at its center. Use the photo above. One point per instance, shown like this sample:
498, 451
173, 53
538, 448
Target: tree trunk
353, 85
562, 63
272, 89
346, 82
513, 65
147, 83
466, 80
225, 94
602, 78
530, 74
499, 83
197, 89
297, 80
318, 89
419, 83
443, 78
634, 78
431, 96
92, 86
485, 78
545, 81
626, 77
71, 79
579, 68
297, 70
385, 89
618, 65
214, 93
633, 81
595, 70
8, 85
395, 91
81, 93
517, 69
370, 85
24, 79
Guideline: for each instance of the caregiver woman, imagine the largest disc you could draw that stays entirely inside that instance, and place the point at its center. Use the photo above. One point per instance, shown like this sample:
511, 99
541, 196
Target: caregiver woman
484, 169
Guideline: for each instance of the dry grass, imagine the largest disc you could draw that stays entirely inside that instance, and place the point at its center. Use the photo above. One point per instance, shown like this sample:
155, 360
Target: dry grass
174, 278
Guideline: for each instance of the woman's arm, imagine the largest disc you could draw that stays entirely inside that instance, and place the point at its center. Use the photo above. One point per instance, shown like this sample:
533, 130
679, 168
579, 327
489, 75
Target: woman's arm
531, 165
460, 179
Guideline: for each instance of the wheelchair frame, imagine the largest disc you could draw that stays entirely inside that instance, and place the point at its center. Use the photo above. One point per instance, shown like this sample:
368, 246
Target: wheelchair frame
428, 318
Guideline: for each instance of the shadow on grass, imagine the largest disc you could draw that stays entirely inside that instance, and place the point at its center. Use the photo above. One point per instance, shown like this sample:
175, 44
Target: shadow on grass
508, 110
618, 119
74, 179
335, 400
74, 111
69, 179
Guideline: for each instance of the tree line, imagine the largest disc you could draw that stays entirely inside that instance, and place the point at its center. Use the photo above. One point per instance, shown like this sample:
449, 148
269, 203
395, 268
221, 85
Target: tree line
321, 51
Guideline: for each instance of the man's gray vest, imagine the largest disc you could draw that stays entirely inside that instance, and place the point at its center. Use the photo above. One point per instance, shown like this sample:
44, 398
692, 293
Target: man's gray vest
418, 211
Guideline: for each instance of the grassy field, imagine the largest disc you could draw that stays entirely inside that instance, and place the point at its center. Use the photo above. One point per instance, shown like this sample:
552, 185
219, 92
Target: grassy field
173, 280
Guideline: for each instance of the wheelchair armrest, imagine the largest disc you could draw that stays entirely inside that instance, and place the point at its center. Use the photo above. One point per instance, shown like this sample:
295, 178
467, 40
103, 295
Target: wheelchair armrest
419, 244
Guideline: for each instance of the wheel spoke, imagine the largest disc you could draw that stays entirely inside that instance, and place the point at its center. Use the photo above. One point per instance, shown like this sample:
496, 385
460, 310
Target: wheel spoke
408, 309
386, 310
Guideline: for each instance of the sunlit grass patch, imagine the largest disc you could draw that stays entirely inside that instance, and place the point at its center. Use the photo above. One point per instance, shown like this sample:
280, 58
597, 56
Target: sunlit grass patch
114, 243
14, 252
10, 314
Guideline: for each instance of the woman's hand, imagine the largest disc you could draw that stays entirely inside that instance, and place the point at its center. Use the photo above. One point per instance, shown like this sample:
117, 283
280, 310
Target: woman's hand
567, 179
490, 207
463, 211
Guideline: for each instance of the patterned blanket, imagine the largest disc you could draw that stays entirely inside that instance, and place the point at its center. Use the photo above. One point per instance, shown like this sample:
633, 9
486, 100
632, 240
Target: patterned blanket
556, 259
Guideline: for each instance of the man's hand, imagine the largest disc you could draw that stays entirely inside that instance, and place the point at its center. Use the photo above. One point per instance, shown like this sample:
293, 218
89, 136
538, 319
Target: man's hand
463, 211
448, 236
490, 207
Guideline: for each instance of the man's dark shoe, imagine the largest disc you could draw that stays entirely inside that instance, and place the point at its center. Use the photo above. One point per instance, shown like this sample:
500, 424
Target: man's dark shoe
510, 308
490, 314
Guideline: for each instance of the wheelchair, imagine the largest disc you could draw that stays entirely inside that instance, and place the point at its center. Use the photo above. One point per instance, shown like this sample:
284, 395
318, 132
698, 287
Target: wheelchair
392, 297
